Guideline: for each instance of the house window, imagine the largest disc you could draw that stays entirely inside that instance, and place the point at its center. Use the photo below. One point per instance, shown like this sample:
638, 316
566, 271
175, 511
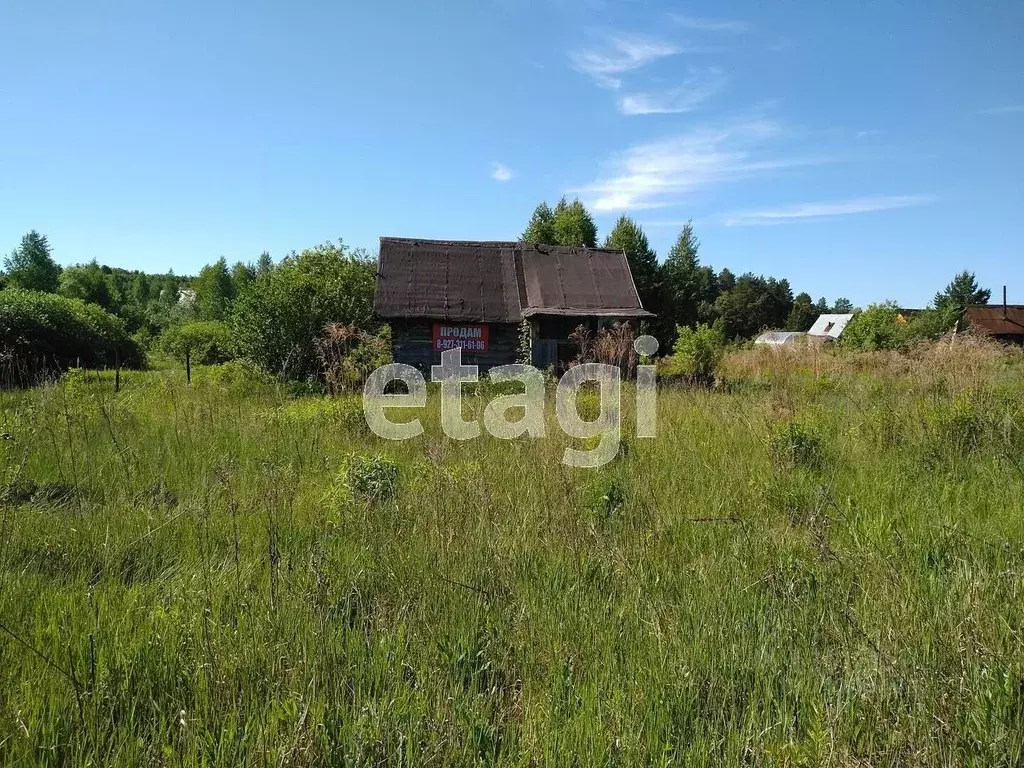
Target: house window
829, 327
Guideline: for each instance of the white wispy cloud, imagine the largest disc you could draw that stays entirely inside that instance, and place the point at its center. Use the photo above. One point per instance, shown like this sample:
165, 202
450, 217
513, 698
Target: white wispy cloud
657, 174
501, 172
822, 209
694, 91
710, 25
620, 54
1009, 109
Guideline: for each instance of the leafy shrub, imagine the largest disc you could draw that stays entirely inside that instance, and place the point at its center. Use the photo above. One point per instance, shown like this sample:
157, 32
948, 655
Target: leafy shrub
794, 444
697, 354
349, 355
46, 331
206, 342
278, 317
877, 327
371, 478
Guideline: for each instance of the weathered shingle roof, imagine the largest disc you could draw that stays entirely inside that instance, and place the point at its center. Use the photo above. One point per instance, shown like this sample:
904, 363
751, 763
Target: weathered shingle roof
501, 282
458, 281
990, 318
578, 281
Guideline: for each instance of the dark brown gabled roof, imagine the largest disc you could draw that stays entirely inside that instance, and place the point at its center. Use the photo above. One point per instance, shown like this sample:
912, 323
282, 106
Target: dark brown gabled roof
501, 282
458, 281
994, 320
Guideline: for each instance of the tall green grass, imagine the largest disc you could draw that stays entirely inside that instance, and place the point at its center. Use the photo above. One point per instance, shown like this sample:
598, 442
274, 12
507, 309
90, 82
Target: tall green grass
819, 563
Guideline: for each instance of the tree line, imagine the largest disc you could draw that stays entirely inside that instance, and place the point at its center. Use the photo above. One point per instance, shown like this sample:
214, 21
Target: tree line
273, 313
681, 290
684, 293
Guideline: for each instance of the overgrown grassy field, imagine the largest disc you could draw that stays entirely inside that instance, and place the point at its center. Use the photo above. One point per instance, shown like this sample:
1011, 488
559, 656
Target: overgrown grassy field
820, 563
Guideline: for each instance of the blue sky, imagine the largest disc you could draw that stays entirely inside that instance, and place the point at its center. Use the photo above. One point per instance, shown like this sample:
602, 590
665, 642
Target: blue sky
864, 149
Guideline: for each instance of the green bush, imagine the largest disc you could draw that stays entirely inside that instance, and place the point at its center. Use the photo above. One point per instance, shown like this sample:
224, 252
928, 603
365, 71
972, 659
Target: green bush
877, 327
371, 478
45, 331
697, 354
207, 342
280, 315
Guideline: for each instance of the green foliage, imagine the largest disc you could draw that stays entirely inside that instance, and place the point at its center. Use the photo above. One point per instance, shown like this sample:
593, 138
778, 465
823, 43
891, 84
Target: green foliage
205, 342
754, 304
276, 321
843, 306
87, 282
573, 225
697, 354
796, 444
371, 478
43, 330
263, 264
803, 314
541, 227
569, 224
877, 327
241, 275
687, 287
962, 291
957, 427
215, 291
31, 265
931, 323
629, 237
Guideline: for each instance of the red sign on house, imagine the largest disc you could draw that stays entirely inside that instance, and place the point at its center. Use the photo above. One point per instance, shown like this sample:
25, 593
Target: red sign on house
472, 338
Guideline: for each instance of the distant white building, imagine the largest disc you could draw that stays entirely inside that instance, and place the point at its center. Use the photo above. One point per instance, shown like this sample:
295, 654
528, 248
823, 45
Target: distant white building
186, 297
829, 326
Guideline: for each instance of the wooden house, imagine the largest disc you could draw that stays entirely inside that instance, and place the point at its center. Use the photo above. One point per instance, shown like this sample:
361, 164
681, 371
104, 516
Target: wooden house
493, 299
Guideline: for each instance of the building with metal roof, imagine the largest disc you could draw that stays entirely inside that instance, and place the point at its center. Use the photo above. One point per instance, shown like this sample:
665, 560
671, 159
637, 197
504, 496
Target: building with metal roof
1004, 322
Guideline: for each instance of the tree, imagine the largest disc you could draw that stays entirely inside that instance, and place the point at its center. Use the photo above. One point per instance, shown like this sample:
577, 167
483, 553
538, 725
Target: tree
842, 306
241, 275
264, 264
31, 266
822, 306
687, 286
726, 280
573, 225
803, 314
961, 292
214, 291
627, 236
754, 304
541, 227
204, 342
877, 327
87, 282
276, 322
